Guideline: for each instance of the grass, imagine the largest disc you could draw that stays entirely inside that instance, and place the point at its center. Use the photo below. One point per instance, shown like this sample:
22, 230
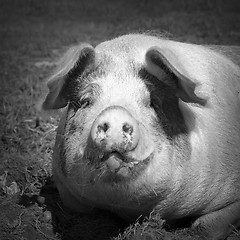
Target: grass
33, 34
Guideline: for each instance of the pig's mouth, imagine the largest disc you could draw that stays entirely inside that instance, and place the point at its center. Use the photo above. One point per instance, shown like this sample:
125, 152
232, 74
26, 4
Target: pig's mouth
118, 167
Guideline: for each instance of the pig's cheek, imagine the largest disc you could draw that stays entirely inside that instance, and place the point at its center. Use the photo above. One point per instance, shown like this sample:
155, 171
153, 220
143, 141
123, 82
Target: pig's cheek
76, 134
77, 170
72, 154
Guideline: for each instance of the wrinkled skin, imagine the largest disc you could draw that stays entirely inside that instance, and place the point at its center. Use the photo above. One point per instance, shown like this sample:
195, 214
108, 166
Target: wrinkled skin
150, 123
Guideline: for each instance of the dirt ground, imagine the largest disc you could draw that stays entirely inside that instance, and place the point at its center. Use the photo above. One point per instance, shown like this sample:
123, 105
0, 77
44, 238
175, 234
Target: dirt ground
33, 34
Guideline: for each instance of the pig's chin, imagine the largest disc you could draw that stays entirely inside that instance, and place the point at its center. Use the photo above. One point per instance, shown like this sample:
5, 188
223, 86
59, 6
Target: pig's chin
116, 167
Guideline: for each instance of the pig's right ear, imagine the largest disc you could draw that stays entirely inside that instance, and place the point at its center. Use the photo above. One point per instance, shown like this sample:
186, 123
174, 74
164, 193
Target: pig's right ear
73, 63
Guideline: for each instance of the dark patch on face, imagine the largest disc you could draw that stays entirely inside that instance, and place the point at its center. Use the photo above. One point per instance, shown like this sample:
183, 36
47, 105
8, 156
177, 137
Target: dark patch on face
82, 84
73, 125
165, 103
169, 120
79, 78
72, 128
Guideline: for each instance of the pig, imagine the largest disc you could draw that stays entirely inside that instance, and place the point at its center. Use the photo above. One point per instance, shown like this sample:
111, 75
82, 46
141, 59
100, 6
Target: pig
150, 123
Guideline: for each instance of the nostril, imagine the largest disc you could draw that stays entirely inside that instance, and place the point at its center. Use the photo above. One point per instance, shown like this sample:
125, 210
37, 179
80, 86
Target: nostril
103, 127
115, 129
127, 128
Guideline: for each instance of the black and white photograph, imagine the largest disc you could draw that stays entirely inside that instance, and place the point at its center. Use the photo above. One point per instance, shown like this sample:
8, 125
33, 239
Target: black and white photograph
119, 120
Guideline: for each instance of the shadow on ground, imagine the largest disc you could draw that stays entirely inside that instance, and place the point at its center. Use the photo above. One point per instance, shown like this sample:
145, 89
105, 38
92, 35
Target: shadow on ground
57, 221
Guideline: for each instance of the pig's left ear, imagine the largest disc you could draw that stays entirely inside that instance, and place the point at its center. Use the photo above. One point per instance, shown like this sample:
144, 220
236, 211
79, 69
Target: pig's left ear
164, 59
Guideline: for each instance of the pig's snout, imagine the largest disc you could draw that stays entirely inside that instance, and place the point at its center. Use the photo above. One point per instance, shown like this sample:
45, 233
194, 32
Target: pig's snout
115, 129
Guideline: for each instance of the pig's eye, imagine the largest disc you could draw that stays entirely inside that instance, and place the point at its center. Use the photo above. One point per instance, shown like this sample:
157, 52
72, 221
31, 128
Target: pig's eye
85, 102
81, 103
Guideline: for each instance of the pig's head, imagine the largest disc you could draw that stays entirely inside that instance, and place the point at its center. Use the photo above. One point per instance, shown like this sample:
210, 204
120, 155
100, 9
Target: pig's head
122, 109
